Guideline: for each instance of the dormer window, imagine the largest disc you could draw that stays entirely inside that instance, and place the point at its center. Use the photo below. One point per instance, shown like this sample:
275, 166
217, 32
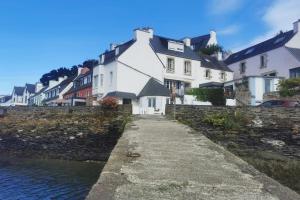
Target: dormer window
263, 61
242, 67
170, 65
175, 46
187, 68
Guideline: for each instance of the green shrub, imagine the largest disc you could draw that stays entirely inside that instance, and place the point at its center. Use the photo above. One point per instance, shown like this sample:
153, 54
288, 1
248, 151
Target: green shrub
226, 120
289, 87
213, 95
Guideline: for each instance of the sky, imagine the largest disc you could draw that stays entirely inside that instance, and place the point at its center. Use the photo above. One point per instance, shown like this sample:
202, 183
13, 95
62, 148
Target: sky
38, 36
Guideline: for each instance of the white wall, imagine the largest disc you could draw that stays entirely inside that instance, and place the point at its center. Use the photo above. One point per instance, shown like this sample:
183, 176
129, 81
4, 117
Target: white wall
198, 72
295, 41
129, 80
279, 60
160, 104
141, 57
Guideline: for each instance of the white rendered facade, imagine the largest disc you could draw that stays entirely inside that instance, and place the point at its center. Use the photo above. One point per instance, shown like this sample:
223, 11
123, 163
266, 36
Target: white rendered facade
130, 70
277, 61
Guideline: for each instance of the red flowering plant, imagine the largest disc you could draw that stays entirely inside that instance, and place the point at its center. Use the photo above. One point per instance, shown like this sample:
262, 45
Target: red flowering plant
109, 103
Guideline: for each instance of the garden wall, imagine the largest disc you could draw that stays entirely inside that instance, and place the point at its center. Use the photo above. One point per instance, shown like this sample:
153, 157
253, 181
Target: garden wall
264, 117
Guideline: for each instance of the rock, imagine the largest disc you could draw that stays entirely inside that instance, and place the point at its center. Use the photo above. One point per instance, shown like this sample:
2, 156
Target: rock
257, 122
80, 134
20, 131
3, 112
275, 143
71, 137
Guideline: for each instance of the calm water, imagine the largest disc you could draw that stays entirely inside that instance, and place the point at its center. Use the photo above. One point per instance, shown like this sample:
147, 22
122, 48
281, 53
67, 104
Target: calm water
46, 179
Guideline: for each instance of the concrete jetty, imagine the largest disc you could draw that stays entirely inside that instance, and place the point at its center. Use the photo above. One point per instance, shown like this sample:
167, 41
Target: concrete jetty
161, 159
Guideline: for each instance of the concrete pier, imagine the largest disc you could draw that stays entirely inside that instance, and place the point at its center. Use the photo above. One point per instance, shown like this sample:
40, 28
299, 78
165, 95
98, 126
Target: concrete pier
161, 159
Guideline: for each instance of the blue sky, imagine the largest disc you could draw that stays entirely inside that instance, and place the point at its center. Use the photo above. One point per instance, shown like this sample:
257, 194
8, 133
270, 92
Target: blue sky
37, 36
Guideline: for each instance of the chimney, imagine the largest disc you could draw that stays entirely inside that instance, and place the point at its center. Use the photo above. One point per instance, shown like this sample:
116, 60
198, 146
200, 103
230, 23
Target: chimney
85, 70
117, 51
113, 46
79, 70
296, 26
102, 58
60, 79
187, 42
52, 83
38, 87
143, 34
213, 38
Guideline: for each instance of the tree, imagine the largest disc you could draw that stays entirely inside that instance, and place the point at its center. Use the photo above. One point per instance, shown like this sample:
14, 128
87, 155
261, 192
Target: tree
211, 49
289, 87
214, 95
90, 63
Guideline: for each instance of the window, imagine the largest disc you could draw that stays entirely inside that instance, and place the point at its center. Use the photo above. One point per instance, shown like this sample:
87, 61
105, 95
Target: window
167, 84
207, 74
242, 67
222, 75
96, 81
267, 85
89, 78
263, 61
151, 102
85, 81
126, 101
295, 72
101, 80
171, 65
111, 78
187, 68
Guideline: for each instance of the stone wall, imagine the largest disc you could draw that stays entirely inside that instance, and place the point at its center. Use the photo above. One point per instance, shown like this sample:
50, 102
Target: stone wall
276, 96
268, 117
72, 133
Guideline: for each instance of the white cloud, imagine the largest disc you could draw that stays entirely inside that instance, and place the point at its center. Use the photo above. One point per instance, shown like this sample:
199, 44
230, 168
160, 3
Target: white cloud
229, 30
224, 6
279, 16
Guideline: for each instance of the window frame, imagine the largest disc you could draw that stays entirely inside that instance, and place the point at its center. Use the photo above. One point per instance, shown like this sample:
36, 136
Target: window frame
185, 71
263, 61
169, 69
242, 66
207, 74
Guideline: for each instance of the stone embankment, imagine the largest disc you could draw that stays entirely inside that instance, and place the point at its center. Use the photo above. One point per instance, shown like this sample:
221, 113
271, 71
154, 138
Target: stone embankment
72, 133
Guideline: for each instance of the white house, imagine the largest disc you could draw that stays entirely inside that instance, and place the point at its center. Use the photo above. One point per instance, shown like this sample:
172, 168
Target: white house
5, 100
56, 89
29, 91
147, 63
17, 96
39, 95
250, 90
278, 56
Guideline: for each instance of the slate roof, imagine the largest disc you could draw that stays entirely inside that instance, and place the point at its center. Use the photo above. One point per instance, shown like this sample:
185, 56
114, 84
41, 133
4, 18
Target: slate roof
160, 45
39, 92
200, 42
268, 45
122, 95
211, 85
5, 99
154, 88
295, 52
30, 88
110, 56
19, 90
